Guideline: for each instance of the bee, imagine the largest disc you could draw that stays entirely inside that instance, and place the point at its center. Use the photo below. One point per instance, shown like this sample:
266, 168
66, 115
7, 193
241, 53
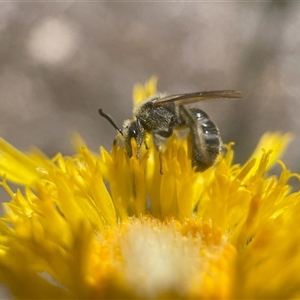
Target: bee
161, 114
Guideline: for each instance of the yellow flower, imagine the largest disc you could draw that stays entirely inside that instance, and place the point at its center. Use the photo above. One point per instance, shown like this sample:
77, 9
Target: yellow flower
109, 226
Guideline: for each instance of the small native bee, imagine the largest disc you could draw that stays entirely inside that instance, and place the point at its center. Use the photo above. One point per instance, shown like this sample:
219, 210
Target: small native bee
161, 114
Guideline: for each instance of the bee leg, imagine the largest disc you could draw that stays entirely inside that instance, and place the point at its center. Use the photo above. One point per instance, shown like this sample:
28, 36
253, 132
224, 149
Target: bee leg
146, 145
156, 141
157, 135
205, 138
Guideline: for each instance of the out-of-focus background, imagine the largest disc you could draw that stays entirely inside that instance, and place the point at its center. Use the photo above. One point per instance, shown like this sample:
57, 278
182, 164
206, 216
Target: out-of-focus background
61, 62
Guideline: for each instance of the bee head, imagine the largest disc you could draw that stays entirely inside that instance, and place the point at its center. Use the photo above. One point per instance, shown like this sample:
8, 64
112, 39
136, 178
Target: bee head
132, 129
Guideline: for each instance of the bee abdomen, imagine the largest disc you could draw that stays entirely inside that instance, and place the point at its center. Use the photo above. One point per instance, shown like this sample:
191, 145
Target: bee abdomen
206, 143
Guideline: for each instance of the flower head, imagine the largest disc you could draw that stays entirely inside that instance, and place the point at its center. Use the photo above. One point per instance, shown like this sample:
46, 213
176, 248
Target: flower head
109, 226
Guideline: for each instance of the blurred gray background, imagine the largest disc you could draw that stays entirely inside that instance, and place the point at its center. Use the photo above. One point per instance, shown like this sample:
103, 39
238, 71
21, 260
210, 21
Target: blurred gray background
61, 62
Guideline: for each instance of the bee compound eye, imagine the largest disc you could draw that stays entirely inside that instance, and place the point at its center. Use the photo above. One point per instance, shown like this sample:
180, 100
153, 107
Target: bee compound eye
132, 130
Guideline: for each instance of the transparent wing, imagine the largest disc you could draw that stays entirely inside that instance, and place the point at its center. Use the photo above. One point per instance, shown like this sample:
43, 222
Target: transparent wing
199, 96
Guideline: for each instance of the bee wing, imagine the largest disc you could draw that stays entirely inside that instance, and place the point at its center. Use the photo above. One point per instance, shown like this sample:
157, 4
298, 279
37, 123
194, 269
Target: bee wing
199, 96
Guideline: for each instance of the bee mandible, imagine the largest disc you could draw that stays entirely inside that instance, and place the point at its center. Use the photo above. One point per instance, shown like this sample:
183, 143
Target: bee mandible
161, 114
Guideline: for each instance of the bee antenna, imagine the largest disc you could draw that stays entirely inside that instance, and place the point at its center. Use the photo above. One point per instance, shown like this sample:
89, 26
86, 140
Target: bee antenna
110, 120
